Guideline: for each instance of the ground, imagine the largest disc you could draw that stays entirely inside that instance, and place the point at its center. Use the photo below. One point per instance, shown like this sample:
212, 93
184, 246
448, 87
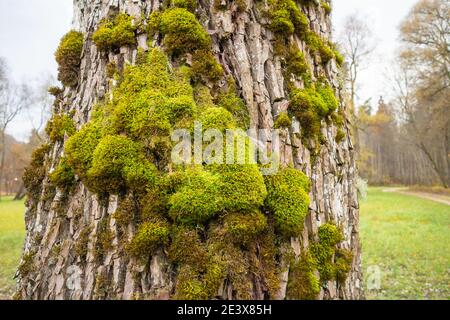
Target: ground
407, 238
404, 236
12, 235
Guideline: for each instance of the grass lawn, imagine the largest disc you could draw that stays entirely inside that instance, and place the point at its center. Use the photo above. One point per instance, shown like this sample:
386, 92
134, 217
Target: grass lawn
12, 235
409, 240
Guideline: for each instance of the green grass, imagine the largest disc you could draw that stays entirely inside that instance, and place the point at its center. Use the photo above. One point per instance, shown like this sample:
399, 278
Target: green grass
12, 235
409, 240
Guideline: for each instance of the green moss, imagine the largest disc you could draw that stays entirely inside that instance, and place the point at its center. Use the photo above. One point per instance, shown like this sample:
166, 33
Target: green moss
58, 126
332, 263
326, 7
68, 57
63, 176
217, 118
317, 45
111, 70
198, 199
189, 286
115, 33
244, 228
151, 99
344, 259
125, 213
340, 135
303, 284
288, 200
311, 105
287, 18
55, 91
283, 121
81, 245
34, 173
190, 5
329, 235
196, 256
104, 241
181, 30
80, 148
296, 63
242, 187
149, 237
234, 104
27, 265
118, 161
205, 66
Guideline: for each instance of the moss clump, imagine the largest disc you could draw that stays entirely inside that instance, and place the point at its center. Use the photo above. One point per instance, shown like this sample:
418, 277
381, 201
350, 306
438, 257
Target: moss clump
303, 284
340, 135
296, 63
151, 100
343, 264
318, 46
243, 228
189, 286
27, 265
68, 57
329, 235
288, 200
242, 187
115, 33
196, 256
283, 121
205, 66
125, 213
198, 199
34, 173
311, 105
58, 126
118, 161
81, 246
149, 237
55, 91
332, 263
326, 7
217, 118
287, 18
190, 5
181, 30
63, 176
104, 241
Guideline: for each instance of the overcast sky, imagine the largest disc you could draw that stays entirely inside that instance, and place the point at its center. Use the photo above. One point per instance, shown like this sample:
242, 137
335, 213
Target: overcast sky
31, 29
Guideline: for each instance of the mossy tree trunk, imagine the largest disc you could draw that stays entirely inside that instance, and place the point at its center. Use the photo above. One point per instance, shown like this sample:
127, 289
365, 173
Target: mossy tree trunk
65, 225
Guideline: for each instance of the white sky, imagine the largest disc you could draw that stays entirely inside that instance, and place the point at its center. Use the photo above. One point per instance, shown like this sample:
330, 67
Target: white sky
383, 18
31, 29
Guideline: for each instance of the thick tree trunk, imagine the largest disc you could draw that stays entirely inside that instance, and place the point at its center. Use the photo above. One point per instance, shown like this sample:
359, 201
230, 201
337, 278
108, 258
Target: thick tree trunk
244, 47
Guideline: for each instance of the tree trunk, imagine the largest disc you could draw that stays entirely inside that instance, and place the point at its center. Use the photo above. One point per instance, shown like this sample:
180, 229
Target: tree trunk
56, 223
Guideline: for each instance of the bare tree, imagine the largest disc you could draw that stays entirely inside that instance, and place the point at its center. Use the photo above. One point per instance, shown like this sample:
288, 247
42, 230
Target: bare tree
423, 83
13, 99
40, 107
357, 46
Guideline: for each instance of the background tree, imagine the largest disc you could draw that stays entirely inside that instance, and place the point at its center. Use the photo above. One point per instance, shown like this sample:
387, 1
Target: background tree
356, 41
13, 99
424, 85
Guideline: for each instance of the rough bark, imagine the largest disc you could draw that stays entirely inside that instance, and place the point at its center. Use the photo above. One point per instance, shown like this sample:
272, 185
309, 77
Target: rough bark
245, 49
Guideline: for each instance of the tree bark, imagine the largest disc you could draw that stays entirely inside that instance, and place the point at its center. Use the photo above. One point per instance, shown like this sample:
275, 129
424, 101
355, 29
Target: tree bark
244, 47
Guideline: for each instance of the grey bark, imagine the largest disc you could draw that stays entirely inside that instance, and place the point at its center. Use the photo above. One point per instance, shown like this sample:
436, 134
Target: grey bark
245, 49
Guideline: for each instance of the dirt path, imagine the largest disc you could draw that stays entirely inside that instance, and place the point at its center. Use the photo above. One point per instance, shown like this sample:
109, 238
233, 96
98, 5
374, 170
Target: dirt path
424, 195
